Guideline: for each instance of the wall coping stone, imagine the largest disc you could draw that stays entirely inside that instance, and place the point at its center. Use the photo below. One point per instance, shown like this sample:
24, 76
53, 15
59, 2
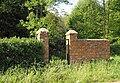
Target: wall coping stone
71, 32
93, 39
42, 30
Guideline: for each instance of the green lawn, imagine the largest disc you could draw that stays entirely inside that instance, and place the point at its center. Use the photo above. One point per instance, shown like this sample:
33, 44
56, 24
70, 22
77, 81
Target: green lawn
59, 72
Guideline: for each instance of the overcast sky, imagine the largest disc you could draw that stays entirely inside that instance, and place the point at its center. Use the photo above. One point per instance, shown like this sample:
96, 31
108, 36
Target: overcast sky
68, 8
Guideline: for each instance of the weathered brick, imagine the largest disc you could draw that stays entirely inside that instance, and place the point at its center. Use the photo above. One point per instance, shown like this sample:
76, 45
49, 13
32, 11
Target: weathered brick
42, 34
82, 49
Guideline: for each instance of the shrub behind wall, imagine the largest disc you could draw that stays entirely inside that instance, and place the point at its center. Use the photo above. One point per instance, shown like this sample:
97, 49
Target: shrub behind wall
20, 51
115, 47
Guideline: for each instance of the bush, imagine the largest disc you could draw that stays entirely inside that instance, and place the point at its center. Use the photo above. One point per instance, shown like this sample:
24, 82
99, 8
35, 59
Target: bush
115, 47
20, 51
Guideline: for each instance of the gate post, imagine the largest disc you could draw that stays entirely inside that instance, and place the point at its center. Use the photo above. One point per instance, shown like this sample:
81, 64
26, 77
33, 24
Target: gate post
71, 38
42, 34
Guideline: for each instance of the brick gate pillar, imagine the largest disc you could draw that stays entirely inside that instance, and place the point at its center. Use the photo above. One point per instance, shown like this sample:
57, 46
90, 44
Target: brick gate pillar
42, 34
71, 36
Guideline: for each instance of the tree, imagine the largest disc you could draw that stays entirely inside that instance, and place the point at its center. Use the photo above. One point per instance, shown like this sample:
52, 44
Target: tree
10, 14
37, 11
87, 19
57, 31
113, 8
104, 8
19, 17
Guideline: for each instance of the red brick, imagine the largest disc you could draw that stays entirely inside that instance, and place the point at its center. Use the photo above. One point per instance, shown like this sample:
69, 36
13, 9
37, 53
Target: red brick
88, 49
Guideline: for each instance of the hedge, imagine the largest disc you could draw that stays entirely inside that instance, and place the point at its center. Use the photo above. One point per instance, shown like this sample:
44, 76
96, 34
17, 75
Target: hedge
115, 47
20, 51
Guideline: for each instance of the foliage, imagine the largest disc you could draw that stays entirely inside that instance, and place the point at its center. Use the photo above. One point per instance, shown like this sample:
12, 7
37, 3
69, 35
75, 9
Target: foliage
93, 19
115, 46
56, 28
59, 72
86, 19
38, 11
57, 31
114, 5
19, 17
11, 12
113, 15
23, 18
20, 51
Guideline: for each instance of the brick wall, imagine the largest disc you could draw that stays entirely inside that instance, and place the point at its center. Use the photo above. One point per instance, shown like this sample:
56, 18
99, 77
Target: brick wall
86, 49
42, 34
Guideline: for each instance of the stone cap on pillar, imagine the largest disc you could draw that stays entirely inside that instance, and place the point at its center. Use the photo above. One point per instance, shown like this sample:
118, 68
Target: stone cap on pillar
71, 32
42, 30
42, 33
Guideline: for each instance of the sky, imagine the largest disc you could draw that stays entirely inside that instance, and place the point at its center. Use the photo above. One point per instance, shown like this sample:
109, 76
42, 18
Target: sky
68, 8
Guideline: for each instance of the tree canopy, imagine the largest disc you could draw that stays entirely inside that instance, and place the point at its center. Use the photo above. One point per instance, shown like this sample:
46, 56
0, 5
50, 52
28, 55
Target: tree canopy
93, 19
22, 17
86, 19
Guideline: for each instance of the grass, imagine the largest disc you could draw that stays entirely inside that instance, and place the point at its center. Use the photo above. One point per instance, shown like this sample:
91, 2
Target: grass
59, 72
